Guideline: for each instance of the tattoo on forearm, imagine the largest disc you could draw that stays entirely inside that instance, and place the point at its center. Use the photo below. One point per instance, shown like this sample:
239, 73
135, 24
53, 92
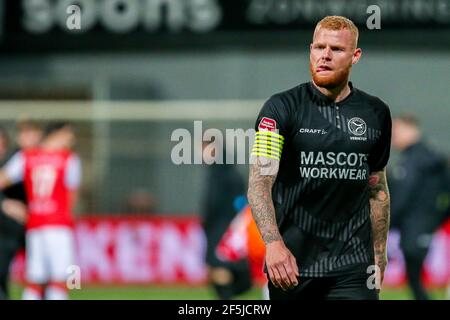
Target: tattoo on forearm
379, 213
260, 199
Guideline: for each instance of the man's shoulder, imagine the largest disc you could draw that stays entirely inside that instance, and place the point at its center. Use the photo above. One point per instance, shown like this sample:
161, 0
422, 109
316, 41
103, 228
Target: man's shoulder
288, 99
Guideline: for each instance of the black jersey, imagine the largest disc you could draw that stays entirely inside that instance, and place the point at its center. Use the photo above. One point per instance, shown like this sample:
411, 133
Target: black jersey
417, 183
327, 151
8, 226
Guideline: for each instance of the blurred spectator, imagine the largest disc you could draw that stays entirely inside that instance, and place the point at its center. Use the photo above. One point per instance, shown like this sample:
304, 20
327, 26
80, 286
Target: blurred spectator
12, 232
224, 186
417, 183
140, 202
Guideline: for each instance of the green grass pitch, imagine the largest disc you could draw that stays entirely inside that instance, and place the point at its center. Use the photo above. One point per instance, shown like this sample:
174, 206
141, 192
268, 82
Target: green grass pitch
158, 292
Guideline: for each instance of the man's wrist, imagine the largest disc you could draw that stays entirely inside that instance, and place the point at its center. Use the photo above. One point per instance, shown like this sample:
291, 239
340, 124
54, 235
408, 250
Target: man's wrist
275, 243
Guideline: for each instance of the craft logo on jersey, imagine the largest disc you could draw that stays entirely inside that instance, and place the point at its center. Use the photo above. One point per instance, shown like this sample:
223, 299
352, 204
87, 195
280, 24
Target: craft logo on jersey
267, 124
312, 131
357, 126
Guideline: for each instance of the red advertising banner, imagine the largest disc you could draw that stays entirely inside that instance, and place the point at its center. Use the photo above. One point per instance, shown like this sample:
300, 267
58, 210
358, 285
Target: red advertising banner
136, 250
149, 250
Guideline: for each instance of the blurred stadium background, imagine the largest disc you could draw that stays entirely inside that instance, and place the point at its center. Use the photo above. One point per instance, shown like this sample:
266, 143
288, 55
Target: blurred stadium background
138, 70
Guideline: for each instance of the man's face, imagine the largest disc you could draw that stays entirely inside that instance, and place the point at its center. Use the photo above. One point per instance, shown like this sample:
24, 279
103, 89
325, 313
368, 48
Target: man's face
401, 134
65, 138
209, 149
29, 138
332, 55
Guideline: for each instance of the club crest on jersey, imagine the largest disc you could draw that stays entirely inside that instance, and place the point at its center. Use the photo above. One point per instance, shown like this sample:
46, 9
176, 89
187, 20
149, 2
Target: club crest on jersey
357, 126
267, 124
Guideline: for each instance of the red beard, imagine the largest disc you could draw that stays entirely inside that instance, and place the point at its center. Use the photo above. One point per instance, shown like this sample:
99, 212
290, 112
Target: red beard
334, 80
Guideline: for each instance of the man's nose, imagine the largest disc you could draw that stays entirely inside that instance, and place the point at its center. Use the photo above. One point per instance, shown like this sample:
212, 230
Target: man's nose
326, 53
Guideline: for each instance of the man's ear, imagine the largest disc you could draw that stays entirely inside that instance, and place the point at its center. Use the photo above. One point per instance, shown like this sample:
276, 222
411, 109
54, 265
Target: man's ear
356, 55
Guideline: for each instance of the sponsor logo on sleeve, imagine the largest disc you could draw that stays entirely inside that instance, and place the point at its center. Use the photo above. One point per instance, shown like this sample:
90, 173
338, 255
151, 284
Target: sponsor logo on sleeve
267, 124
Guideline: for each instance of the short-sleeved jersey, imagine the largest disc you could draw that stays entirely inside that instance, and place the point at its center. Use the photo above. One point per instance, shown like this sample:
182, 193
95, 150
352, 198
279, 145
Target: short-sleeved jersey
327, 151
49, 177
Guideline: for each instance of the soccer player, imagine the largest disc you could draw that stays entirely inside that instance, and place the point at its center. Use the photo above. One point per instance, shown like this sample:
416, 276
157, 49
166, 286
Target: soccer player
51, 174
317, 182
243, 241
223, 186
12, 231
8, 228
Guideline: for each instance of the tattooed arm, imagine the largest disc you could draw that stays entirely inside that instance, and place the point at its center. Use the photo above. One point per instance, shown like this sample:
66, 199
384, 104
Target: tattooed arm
281, 264
380, 217
262, 177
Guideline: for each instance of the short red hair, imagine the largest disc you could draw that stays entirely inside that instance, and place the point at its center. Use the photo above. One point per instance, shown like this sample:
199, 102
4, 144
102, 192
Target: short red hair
339, 23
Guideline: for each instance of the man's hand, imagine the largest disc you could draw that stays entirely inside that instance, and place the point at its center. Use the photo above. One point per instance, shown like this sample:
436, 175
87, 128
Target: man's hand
16, 210
281, 265
4, 180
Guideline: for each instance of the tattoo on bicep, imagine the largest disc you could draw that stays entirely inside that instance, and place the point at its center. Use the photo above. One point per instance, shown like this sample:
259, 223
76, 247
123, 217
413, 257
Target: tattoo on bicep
260, 198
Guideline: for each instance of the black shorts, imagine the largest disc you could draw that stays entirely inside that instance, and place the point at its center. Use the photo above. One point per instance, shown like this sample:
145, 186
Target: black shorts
345, 287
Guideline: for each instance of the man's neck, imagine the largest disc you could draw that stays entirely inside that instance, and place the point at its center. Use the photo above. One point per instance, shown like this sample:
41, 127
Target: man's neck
336, 94
49, 146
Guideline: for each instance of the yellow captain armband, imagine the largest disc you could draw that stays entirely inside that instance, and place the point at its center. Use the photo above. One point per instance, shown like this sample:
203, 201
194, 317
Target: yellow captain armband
268, 144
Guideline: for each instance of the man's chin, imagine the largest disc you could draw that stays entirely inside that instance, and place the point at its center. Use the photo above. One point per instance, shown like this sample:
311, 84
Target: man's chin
329, 82
325, 82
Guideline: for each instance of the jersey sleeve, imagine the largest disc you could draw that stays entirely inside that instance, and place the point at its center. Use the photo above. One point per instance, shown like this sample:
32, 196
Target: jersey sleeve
15, 168
379, 156
271, 127
73, 173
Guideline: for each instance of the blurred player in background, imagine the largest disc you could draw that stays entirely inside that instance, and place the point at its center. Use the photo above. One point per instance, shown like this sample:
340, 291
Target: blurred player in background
51, 174
12, 232
242, 242
223, 186
7, 229
419, 185
317, 183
